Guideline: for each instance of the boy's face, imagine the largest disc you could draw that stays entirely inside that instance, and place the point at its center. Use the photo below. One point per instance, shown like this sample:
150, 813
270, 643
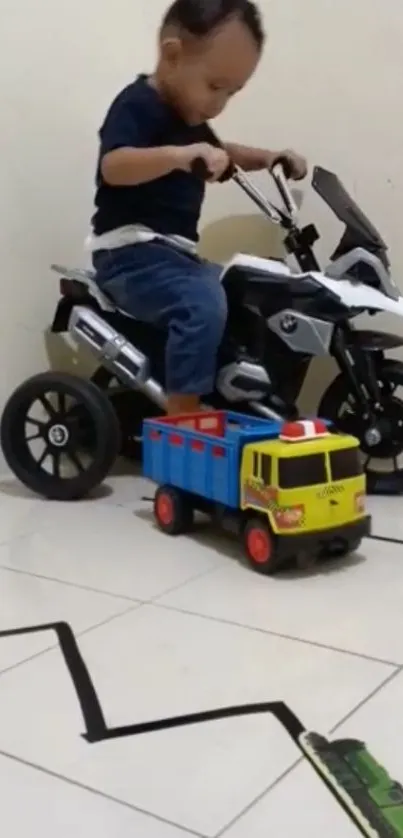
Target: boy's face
201, 75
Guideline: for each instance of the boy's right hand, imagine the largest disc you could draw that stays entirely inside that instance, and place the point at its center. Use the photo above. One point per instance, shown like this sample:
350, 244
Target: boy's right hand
216, 159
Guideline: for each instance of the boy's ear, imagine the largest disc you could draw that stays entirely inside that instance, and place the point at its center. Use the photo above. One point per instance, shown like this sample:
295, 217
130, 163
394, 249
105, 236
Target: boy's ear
171, 50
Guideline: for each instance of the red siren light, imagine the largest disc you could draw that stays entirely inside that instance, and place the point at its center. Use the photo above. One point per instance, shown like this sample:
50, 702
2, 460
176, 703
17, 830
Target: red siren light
302, 430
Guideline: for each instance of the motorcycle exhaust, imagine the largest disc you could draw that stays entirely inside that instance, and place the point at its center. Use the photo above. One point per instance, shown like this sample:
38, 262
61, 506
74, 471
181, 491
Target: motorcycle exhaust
122, 359
116, 353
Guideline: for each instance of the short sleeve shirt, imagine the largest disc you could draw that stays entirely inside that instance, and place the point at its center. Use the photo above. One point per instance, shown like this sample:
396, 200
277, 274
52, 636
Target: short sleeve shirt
170, 205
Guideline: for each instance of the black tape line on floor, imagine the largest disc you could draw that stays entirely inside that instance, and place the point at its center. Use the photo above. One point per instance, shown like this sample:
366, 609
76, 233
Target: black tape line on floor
91, 709
96, 729
386, 538
94, 719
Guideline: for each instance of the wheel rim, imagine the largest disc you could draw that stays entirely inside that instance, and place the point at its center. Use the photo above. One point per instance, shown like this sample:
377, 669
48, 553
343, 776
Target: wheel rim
259, 545
53, 443
165, 509
384, 454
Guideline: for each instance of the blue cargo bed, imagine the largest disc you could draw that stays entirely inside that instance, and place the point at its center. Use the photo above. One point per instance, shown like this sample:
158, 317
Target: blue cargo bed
201, 453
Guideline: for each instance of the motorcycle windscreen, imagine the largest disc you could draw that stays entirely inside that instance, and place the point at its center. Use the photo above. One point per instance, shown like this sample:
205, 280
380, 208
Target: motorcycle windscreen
359, 229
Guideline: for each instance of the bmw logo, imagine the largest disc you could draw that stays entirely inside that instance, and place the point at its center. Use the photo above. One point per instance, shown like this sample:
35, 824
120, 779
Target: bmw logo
288, 324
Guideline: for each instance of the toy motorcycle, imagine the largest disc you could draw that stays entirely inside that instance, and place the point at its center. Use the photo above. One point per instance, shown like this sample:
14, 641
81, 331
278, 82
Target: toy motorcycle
279, 319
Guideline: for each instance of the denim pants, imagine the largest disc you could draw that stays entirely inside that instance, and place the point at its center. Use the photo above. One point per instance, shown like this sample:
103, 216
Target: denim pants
178, 292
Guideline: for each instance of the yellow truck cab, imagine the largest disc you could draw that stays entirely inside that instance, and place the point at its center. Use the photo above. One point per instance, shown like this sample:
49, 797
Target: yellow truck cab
310, 486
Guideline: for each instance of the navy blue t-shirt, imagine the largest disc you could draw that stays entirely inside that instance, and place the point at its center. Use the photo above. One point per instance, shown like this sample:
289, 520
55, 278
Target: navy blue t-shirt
170, 205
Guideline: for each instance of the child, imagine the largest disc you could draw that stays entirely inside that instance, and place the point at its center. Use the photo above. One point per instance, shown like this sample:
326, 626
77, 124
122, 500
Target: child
149, 202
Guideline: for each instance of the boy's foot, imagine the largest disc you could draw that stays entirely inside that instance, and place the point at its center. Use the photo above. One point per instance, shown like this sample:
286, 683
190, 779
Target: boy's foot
182, 403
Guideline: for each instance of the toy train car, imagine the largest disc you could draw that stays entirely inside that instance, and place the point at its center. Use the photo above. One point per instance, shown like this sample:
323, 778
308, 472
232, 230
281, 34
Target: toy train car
363, 786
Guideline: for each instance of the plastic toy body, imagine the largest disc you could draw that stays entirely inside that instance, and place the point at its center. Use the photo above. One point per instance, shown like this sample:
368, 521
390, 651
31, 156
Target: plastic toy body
289, 495
363, 786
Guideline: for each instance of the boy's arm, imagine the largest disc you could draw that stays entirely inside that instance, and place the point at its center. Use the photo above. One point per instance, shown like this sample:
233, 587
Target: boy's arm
256, 159
127, 166
128, 155
250, 159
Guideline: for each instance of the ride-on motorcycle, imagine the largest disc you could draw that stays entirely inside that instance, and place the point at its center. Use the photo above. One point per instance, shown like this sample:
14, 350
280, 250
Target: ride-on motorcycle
279, 319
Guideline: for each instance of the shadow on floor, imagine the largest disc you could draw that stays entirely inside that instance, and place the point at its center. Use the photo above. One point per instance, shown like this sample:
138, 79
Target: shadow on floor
227, 545
11, 487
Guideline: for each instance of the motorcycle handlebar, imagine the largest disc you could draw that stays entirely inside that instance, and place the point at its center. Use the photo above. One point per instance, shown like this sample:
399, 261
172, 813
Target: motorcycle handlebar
200, 169
280, 173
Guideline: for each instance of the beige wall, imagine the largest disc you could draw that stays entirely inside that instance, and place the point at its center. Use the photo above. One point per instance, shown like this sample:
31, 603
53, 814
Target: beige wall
330, 84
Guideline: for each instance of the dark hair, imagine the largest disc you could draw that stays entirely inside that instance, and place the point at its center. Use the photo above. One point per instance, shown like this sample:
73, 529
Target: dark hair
201, 17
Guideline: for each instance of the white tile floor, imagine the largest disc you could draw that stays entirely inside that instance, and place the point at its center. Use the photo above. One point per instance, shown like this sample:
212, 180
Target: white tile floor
170, 626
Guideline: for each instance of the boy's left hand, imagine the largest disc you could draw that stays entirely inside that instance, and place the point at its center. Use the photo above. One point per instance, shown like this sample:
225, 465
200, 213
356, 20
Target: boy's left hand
298, 165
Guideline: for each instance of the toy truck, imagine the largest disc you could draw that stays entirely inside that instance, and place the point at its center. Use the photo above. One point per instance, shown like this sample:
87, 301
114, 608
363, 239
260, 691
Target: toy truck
292, 491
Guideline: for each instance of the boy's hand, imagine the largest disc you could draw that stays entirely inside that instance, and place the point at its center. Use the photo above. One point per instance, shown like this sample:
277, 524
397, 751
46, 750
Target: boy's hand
216, 159
257, 159
298, 166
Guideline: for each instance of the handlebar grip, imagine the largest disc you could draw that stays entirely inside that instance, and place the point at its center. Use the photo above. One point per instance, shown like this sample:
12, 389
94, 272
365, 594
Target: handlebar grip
200, 170
284, 164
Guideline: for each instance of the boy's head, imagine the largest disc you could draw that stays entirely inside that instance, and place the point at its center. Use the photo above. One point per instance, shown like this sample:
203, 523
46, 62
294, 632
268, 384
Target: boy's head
208, 51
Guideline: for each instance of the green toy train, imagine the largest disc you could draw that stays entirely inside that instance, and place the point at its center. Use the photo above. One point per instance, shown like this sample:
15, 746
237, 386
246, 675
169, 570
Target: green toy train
363, 787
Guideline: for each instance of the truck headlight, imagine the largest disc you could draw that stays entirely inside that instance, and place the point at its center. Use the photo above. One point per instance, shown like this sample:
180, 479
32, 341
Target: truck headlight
360, 502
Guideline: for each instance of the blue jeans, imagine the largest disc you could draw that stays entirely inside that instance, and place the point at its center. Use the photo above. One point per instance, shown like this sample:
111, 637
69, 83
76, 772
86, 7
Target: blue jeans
178, 292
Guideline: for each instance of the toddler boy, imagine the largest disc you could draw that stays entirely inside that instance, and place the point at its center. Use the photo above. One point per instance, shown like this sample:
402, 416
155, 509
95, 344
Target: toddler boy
149, 202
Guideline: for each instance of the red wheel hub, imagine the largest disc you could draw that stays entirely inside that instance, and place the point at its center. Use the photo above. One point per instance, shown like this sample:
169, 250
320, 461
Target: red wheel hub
164, 509
259, 545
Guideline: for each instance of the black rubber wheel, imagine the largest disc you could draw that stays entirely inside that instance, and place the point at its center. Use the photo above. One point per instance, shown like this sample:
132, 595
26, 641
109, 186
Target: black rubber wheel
75, 417
340, 552
131, 408
339, 405
259, 546
172, 510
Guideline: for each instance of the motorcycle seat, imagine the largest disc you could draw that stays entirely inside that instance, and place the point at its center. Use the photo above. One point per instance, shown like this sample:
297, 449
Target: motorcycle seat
269, 268
84, 282
245, 272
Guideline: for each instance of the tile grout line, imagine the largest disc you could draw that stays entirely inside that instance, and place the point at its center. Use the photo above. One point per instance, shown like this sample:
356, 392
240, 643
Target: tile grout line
392, 675
83, 787
155, 601
39, 501
302, 759
241, 814
259, 797
90, 589
110, 619
281, 635
57, 581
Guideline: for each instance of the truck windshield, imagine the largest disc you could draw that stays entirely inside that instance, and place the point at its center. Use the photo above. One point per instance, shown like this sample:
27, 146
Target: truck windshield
296, 472
345, 464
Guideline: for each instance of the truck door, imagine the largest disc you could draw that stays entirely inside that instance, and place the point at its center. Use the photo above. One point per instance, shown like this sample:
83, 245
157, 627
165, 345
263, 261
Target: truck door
256, 481
261, 468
